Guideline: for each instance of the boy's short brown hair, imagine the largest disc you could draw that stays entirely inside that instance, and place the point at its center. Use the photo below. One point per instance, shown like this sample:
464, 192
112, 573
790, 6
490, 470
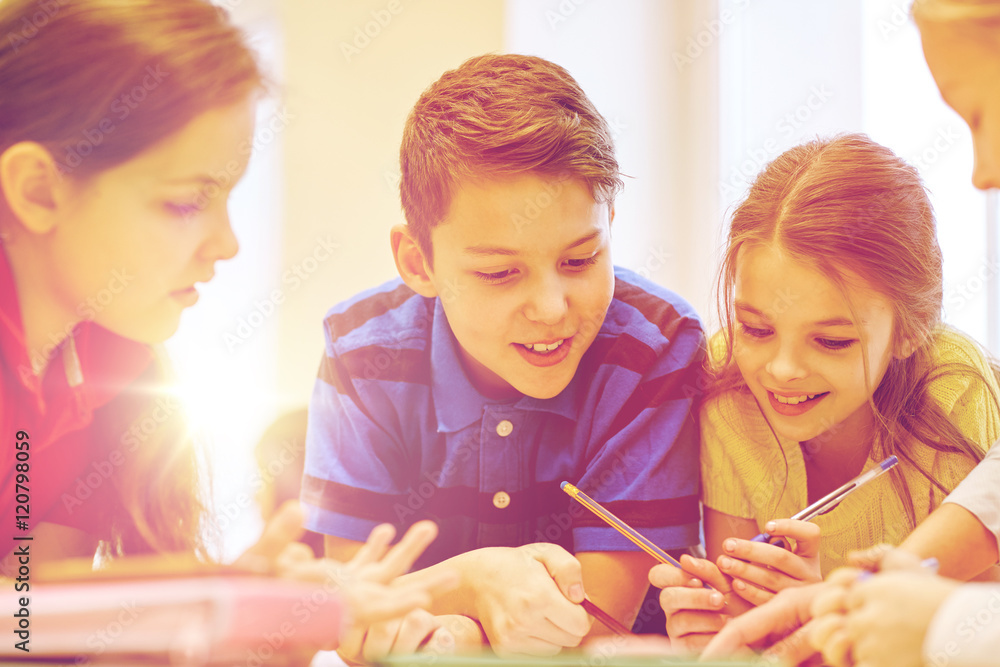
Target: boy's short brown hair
496, 116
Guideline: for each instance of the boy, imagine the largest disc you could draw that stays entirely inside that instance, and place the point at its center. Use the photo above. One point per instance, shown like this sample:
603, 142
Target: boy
510, 356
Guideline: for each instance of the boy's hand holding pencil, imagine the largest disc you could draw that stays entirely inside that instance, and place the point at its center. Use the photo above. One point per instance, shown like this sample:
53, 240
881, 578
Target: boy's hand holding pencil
539, 616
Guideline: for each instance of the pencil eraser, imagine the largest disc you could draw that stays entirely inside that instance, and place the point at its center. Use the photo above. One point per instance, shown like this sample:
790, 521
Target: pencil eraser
562, 485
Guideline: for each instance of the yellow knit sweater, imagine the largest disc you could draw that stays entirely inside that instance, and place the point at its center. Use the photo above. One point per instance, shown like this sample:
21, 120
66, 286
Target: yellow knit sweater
748, 471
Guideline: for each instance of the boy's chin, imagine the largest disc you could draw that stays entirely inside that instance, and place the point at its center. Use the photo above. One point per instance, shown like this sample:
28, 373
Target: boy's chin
540, 390
511, 383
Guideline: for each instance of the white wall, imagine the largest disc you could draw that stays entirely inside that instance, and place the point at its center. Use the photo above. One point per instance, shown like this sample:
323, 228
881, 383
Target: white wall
791, 71
350, 93
663, 115
903, 109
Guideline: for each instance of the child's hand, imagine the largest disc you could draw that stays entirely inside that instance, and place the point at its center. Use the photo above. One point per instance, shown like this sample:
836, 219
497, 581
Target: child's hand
527, 599
277, 541
870, 558
878, 620
781, 626
694, 613
759, 570
418, 630
367, 582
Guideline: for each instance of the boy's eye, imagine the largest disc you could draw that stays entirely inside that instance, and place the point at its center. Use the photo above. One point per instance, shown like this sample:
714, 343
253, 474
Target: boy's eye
754, 332
582, 263
836, 343
497, 277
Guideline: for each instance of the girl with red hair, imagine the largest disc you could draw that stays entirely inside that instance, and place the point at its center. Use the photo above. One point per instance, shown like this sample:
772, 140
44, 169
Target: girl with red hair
124, 126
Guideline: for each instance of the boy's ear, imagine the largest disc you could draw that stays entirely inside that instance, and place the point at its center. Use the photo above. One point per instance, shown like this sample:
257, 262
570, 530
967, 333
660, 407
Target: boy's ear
29, 177
410, 262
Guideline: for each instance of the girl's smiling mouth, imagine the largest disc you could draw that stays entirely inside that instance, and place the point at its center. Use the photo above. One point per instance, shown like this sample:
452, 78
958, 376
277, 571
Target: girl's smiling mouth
792, 406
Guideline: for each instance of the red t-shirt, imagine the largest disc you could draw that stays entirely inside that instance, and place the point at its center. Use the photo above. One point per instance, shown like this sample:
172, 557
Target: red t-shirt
76, 416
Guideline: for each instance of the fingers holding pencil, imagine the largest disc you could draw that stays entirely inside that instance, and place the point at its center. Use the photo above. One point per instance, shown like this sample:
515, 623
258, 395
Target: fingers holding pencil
628, 531
693, 613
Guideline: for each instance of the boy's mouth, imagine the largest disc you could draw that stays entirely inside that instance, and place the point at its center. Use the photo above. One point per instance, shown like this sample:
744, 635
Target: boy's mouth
544, 354
543, 347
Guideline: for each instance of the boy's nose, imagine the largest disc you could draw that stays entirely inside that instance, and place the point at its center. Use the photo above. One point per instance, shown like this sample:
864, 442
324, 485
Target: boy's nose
548, 304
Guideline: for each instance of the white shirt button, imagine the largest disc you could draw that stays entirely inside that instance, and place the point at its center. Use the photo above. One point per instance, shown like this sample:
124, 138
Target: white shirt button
504, 428
501, 499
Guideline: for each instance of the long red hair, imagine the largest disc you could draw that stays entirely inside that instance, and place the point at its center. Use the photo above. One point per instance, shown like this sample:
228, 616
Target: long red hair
97, 82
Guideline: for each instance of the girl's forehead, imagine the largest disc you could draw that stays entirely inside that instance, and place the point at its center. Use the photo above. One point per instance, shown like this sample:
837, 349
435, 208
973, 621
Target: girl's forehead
769, 279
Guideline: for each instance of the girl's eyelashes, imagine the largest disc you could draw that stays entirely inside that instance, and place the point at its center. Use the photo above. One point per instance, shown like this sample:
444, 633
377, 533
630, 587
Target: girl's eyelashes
183, 210
828, 343
754, 332
836, 343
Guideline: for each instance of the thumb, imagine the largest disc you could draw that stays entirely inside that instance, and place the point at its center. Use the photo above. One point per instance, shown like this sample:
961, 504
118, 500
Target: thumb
564, 569
898, 559
794, 649
806, 535
284, 528
870, 558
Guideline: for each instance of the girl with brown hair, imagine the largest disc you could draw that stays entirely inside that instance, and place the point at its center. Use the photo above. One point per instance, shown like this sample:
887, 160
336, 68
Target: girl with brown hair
832, 358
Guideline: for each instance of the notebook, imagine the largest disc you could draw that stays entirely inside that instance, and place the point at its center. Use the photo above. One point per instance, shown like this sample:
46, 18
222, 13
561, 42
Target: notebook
226, 618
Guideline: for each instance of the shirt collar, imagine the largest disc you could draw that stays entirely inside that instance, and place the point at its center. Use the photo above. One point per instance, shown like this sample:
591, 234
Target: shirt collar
457, 403
13, 347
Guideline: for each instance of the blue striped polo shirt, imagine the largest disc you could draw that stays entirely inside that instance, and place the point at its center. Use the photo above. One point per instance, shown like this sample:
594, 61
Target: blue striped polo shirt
397, 432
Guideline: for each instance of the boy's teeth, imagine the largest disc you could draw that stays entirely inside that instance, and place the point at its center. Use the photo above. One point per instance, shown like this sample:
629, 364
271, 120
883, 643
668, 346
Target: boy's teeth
542, 347
794, 400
